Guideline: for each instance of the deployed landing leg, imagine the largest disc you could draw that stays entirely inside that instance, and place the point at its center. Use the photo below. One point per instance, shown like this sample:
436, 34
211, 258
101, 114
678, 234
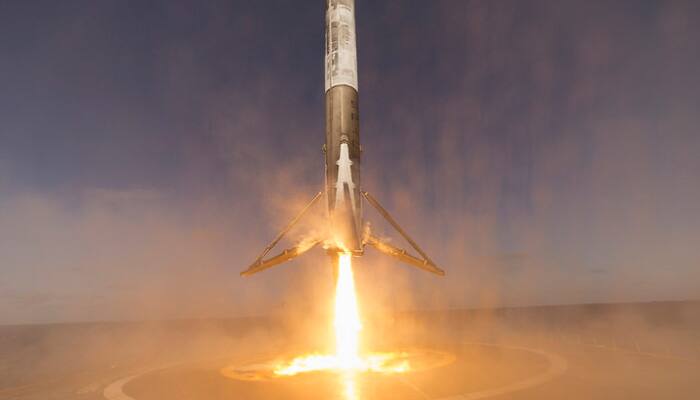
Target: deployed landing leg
260, 264
425, 263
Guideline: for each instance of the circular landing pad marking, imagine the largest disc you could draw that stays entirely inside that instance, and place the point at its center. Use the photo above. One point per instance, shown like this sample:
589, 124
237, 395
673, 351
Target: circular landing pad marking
557, 365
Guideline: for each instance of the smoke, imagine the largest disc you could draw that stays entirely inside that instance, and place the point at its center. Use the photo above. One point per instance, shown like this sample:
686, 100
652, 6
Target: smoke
540, 153
542, 163
520, 151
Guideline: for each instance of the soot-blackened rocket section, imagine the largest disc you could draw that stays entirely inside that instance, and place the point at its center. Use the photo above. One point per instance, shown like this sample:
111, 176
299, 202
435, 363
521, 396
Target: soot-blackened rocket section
347, 231
342, 150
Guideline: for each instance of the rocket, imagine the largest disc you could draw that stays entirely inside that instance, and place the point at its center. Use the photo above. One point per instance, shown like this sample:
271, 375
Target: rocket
347, 231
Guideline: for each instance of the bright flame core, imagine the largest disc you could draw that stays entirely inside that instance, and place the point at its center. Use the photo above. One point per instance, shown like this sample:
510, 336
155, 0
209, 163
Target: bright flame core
348, 361
347, 325
347, 318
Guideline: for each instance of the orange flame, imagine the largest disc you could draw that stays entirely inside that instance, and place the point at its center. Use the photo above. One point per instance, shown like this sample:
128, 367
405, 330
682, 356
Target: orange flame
347, 357
347, 317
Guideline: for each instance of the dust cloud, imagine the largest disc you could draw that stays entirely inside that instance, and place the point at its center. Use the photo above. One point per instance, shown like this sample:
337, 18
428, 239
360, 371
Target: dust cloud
520, 182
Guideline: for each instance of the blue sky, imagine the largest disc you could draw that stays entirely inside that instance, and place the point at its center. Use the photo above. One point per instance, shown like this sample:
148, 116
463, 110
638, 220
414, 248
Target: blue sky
543, 152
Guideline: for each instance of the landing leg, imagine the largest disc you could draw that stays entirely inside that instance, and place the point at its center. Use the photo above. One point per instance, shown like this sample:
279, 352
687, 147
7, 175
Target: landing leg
425, 263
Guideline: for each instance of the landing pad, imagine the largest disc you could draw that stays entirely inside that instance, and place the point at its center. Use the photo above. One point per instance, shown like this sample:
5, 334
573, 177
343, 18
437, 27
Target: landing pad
474, 370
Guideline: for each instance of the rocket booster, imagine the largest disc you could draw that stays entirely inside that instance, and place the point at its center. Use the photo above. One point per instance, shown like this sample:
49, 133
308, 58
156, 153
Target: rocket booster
342, 149
347, 231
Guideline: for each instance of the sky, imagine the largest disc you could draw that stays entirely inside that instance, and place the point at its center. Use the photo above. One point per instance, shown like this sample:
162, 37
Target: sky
542, 152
